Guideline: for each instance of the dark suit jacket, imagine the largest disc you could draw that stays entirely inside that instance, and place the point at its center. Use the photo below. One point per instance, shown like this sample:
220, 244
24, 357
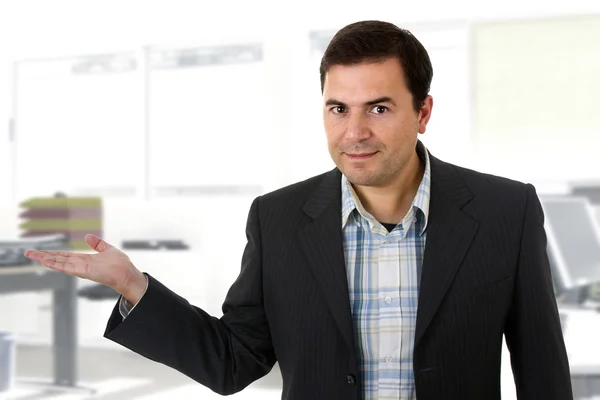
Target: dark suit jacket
485, 274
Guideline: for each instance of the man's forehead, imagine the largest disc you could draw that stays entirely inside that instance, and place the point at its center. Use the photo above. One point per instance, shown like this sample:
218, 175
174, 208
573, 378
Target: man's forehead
349, 80
362, 93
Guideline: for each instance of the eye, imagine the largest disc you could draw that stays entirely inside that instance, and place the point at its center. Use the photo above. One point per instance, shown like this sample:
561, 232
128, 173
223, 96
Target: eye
380, 109
338, 109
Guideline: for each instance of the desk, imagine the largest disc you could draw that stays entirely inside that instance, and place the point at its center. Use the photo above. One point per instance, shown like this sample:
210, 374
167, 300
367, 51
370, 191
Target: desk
64, 306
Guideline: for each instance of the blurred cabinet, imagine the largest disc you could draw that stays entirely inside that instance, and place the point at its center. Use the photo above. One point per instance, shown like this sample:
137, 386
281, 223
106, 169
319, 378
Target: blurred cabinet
78, 126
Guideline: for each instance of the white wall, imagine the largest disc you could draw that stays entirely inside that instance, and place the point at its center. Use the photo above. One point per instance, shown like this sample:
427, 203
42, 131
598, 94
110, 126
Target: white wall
37, 30
40, 29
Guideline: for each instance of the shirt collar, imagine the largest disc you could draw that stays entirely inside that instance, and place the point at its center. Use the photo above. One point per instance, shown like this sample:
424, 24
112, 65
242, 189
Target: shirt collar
351, 202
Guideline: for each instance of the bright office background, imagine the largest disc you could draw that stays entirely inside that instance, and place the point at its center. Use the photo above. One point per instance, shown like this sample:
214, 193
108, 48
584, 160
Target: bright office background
97, 98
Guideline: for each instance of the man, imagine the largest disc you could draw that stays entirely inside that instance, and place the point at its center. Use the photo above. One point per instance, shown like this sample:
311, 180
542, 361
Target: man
393, 276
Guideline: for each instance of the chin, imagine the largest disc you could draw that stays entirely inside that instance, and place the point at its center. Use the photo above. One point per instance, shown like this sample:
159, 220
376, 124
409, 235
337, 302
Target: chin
362, 177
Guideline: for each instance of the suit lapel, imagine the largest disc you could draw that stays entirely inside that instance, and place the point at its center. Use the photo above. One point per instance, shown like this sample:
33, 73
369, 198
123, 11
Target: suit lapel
322, 243
449, 235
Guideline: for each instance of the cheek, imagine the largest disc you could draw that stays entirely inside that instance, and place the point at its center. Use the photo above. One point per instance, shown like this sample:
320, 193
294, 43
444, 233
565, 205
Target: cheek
334, 123
333, 140
334, 132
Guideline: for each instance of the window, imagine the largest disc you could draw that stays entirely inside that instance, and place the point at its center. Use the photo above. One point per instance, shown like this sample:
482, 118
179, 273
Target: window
209, 121
77, 127
536, 83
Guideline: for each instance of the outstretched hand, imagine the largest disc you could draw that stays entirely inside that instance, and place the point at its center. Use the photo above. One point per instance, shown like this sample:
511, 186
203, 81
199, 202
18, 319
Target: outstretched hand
109, 266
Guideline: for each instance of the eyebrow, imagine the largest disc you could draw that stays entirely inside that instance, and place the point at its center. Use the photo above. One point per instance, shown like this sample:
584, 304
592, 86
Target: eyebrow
379, 100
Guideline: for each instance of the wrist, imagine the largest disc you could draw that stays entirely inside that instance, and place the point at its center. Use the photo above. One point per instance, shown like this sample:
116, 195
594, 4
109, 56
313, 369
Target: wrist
135, 287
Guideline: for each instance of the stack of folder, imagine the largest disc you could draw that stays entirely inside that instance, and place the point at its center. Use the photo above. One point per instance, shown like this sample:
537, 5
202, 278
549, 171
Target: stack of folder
73, 217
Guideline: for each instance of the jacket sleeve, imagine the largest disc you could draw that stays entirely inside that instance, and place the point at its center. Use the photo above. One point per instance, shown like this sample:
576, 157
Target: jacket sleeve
533, 330
225, 354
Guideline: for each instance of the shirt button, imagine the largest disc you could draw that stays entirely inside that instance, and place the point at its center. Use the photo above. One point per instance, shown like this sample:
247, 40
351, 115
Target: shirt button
351, 379
388, 359
388, 299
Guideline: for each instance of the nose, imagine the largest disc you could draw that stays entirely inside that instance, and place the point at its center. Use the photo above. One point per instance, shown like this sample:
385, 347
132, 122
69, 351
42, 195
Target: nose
357, 127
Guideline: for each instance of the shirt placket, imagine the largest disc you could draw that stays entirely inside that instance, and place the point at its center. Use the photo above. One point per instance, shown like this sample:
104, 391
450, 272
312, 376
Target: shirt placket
390, 338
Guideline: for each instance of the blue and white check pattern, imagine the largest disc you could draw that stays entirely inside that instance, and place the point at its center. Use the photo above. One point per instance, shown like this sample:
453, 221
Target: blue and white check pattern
384, 270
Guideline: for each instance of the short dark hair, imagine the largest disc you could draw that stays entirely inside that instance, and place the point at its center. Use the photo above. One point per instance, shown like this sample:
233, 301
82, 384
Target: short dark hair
366, 41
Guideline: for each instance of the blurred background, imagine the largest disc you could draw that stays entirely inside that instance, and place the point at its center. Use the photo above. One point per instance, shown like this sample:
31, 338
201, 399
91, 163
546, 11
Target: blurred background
156, 123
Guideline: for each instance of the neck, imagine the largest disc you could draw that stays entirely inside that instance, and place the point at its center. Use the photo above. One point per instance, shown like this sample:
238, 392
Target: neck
391, 202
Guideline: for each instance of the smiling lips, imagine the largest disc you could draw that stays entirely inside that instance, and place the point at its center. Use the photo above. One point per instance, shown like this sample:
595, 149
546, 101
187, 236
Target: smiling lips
360, 156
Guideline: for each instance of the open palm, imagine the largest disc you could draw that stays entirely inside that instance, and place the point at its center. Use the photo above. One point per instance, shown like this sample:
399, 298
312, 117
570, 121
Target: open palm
110, 266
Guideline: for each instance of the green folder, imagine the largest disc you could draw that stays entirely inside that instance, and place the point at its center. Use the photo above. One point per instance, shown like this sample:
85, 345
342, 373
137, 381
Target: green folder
62, 202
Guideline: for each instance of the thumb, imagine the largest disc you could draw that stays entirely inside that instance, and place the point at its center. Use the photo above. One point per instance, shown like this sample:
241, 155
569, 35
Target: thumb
96, 243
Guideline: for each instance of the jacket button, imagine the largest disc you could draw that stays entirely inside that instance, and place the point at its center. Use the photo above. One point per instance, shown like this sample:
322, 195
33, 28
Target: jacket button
351, 379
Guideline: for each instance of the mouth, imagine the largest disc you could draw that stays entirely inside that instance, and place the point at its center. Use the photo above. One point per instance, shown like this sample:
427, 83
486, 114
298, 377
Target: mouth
360, 156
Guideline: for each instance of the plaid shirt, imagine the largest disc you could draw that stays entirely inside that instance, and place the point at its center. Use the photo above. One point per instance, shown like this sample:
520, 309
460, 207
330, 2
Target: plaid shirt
384, 270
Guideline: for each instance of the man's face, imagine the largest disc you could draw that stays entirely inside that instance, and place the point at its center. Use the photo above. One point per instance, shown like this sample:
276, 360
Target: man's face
370, 121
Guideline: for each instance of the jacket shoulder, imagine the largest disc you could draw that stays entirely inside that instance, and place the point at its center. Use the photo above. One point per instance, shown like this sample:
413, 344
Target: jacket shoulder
292, 196
494, 193
480, 181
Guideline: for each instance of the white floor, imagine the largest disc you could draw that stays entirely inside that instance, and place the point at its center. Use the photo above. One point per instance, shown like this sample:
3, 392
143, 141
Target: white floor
22, 391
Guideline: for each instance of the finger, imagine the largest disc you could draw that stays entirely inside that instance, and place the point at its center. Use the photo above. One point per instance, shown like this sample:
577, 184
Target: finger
96, 243
64, 267
39, 255
30, 253
68, 265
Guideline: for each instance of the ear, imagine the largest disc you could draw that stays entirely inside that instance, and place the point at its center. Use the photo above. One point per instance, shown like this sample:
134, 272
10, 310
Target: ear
425, 113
